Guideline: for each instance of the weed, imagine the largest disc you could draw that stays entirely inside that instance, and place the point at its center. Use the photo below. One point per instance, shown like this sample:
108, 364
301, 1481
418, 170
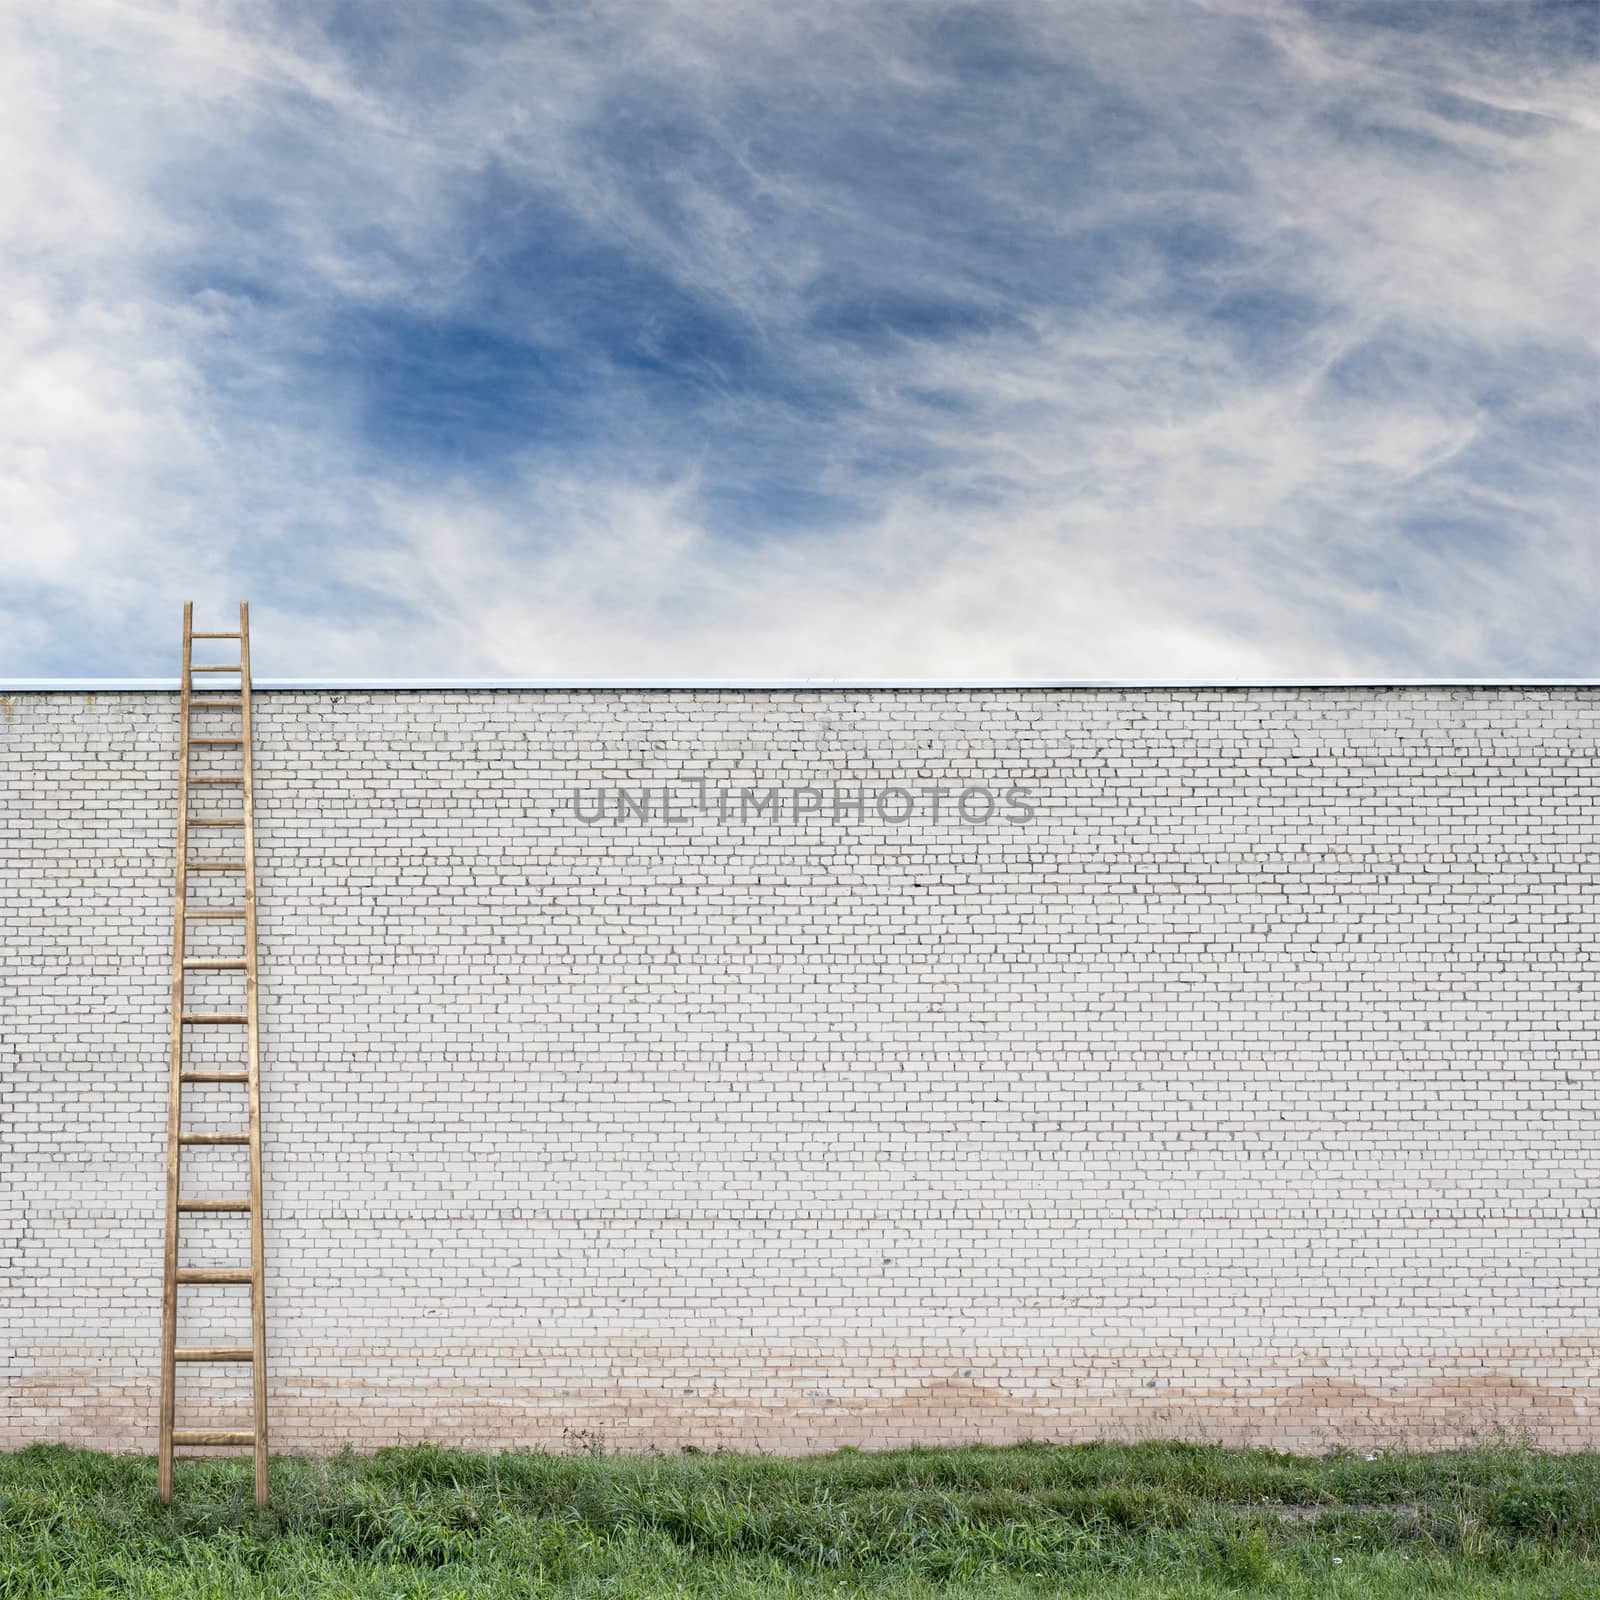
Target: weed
1117, 1521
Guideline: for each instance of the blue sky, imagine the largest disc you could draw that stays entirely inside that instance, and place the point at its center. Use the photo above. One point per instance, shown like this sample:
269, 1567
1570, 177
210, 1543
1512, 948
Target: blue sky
1223, 338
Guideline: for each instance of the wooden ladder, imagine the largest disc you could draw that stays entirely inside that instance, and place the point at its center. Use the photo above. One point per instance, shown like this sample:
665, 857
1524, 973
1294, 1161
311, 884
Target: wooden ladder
178, 1206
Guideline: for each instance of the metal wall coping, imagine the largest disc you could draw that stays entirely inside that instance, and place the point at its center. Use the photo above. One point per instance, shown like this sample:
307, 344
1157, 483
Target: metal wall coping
824, 685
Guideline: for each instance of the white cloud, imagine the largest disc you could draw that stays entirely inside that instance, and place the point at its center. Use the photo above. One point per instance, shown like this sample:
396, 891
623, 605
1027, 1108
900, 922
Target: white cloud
1094, 473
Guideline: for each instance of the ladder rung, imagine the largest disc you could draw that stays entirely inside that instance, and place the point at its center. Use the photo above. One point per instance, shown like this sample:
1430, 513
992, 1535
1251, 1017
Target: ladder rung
215, 866
212, 964
213, 1138
214, 636
194, 1436
215, 705
215, 1016
213, 1275
215, 1077
217, 666
195, 739
213, 914
230, 1202
216, 822
237, 783
214, 1352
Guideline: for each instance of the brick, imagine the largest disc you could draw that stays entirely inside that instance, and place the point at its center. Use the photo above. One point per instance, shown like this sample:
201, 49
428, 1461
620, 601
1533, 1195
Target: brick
1243, 1093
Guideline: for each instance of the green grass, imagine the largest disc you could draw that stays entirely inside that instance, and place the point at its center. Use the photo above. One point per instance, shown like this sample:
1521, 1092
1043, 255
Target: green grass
1122, 1522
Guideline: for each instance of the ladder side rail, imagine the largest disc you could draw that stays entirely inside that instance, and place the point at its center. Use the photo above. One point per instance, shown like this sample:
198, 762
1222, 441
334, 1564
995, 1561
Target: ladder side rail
258, 1308
169, 1273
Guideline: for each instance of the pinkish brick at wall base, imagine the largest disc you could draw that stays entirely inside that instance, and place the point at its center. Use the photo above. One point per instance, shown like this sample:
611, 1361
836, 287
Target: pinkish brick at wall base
522, 1397
1246, 1094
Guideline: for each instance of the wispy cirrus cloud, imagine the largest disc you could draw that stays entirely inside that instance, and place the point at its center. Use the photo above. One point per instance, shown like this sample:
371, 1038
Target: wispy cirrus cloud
1171, 338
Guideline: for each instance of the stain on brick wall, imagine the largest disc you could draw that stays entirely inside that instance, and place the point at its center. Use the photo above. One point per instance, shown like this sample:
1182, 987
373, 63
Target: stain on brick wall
1246, 1091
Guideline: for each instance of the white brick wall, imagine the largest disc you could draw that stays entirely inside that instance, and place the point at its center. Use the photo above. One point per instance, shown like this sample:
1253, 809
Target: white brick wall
1246, 1094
